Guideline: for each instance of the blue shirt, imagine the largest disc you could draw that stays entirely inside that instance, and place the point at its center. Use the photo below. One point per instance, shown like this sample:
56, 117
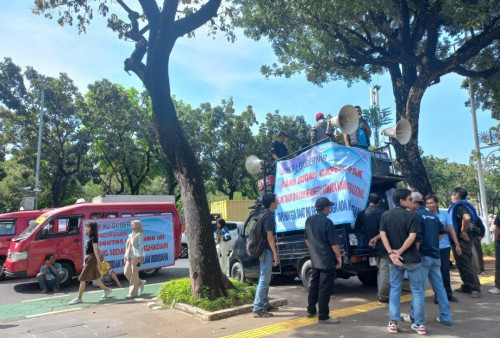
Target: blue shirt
50, 274
431, 229
362, 136
445, 219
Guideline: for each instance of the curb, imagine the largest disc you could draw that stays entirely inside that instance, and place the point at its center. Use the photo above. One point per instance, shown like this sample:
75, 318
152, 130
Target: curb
157, 304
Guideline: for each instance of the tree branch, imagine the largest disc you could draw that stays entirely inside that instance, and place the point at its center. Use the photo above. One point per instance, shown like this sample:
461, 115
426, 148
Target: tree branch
471, 73
197, 19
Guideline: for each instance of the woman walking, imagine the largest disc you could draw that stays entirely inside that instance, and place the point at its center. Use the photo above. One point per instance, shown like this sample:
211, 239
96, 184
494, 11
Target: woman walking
134, 257
92, 265
222, 237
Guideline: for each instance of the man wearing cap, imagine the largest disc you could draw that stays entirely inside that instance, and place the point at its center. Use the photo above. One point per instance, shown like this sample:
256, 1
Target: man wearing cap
432, 231
361, 137
319, 132
278, 148
322, 240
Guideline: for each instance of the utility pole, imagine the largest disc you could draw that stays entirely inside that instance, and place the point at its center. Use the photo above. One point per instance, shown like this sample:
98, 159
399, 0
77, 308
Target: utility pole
39, 150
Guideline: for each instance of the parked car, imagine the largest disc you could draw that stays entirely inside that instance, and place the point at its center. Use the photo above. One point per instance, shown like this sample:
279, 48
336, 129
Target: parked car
233, 231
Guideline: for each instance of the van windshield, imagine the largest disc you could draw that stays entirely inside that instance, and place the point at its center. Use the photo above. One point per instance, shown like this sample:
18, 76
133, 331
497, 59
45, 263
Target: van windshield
29, 230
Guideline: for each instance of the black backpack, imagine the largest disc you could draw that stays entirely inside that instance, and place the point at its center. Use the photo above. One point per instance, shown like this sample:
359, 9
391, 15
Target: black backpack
256, 241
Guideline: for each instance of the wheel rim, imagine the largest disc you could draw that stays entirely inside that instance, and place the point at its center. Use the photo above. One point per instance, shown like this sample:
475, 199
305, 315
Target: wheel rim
184, 251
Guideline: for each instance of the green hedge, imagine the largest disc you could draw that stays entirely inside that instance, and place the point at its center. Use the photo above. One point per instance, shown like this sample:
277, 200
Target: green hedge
179, 291
489, 249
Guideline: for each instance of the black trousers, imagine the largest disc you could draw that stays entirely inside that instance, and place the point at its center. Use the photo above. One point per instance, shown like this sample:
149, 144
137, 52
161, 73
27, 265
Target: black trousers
319, 292
466, 267
445, 270
479, 250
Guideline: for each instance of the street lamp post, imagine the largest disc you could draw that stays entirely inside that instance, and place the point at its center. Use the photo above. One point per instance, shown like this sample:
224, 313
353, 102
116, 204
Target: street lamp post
39, 150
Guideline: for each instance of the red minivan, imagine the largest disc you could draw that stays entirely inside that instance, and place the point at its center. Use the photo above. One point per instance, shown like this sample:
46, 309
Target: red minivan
61, 232
11, 225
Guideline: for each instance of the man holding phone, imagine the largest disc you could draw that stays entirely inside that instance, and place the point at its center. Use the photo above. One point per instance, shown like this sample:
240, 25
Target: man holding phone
51, 274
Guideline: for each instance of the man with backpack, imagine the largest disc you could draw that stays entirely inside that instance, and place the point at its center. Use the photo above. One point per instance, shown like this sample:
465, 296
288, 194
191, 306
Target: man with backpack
322, 239
268, 258
463, 214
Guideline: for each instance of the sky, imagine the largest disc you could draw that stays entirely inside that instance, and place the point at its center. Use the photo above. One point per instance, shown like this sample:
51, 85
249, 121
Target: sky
203, 69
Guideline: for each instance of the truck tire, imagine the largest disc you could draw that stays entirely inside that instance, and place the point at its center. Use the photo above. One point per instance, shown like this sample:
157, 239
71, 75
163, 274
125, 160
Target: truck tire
368, 277
237, 272
69, 272
2, 268
306, 273
148, 273
184, 251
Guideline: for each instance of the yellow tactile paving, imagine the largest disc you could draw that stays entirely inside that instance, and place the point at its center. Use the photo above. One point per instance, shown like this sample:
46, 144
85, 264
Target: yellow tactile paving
295, 323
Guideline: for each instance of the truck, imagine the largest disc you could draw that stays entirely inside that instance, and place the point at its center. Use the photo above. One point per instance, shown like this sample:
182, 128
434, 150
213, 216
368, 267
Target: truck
234, 210
61, 232
293, 253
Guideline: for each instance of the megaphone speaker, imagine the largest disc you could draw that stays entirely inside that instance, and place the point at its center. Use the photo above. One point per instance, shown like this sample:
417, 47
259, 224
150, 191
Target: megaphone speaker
401, 131
253, 165
347, 119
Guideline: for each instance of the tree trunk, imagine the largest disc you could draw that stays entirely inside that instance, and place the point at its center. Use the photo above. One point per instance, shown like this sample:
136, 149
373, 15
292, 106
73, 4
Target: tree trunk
204, 268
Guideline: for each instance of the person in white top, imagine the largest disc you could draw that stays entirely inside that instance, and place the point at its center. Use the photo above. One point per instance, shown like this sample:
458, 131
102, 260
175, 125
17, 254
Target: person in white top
134, 257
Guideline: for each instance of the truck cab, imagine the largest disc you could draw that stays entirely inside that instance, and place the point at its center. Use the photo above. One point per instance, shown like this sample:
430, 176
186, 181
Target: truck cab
293, 253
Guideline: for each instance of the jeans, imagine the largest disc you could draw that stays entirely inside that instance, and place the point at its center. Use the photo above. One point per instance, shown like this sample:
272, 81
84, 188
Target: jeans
445, 270
383, 278
466, 267
261, 301
497, 264
319, 292
417, 290
431, 268
54, 283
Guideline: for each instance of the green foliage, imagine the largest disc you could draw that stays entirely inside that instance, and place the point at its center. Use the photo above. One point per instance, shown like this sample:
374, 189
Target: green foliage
488, 249
179, 291
377, 119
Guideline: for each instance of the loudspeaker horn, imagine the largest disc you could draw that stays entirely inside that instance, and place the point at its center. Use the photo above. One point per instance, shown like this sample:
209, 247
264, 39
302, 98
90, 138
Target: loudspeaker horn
253, 165
401, 131
347, 119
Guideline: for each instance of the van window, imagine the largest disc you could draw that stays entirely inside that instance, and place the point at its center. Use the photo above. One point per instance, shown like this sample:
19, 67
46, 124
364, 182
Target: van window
231, 225
151, 213
126, 214
112, 215
95, 215
7, 227
61, 226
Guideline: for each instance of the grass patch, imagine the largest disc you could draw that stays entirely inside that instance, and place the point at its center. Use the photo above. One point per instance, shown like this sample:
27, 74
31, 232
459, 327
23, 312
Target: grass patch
179, 291
489, 249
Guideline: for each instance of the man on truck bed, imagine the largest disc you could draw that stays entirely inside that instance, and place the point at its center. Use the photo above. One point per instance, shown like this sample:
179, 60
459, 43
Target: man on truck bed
323, 242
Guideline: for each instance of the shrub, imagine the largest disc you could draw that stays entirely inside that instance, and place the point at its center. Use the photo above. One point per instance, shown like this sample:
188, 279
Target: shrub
179, 291
489, 249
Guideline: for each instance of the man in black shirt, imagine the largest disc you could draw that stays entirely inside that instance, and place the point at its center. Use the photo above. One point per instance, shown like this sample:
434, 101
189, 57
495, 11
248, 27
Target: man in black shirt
368, 221
322, 240
278, 148
398, 231
462, 213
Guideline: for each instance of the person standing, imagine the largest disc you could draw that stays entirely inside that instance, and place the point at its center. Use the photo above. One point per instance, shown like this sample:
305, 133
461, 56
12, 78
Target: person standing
431, 203
368, 221
92, 264
496, 289
398, 231
462, 213
278, 147
432, 230
319, 132
323, 243
51, 274
134, 257
361, 137
268, 259
222, 238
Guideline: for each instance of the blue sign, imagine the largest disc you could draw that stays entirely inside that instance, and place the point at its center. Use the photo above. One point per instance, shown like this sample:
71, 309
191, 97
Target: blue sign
342, 174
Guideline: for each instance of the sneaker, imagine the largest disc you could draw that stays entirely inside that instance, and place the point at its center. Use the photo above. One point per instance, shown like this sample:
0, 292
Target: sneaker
129, 296
106, 293
419, 328
392, 327
453, 299
495, 290
439, 321
329, 321
75, 301
475, 294
141, 287
383, 301
406, 318
311, 315
271, 308
261, 314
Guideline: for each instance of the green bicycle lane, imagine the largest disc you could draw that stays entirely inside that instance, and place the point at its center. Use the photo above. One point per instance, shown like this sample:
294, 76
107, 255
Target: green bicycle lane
59, 303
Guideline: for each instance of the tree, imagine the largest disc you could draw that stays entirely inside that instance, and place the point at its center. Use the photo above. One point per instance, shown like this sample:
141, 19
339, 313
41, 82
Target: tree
377, 119
149, 61
352, 40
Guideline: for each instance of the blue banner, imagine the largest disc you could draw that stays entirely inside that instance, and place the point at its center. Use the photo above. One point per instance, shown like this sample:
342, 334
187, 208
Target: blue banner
343, 174
158, 240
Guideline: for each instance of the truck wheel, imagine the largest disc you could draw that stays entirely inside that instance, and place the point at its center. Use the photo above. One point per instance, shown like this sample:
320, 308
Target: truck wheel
68, 273
148, 273
2, 269
237, 272
184, 251
306, 274
368, 277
